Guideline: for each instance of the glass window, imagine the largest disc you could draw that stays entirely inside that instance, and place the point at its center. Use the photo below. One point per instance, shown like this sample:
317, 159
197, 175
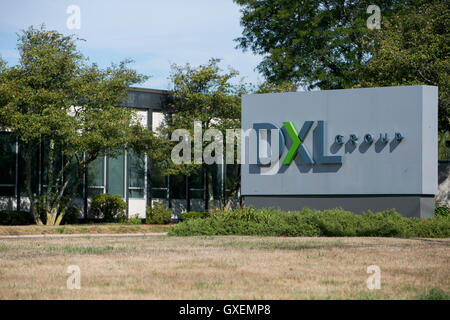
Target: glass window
215, 180
57, 163
136, 174
159, 183
196, 185
158, 180
73, 181
34, 171
159, 193
92, 192
233, 176
178, 187
7, 164
96, 172
7, 191
96, 177
116, 176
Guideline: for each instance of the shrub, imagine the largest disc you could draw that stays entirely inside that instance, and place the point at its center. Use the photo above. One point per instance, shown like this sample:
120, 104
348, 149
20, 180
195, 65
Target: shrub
134, 219
307, 223
41, 208
13, 217
71, 215
434, 294
158, 214
108, 207
442, 212
194, 215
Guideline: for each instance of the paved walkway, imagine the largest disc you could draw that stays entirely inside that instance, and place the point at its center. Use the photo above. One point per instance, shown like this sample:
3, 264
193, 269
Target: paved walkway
82, 235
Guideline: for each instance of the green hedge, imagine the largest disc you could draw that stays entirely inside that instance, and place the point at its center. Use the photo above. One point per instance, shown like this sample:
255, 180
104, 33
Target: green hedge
158, 214
443, 212
313, 223
15, 218
22, 218
108, 207
194, 215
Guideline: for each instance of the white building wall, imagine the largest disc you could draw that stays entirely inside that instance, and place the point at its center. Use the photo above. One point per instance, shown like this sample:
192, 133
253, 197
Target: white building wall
142, 115
136, 207
157, 120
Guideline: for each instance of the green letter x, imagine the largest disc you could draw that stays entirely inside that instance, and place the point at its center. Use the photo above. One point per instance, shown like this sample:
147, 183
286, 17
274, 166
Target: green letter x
296, 142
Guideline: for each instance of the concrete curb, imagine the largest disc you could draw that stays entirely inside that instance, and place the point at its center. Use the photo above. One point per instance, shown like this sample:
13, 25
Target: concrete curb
83, 235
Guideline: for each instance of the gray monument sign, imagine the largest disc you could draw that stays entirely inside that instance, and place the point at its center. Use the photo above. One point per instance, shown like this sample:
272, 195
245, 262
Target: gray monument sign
359, 149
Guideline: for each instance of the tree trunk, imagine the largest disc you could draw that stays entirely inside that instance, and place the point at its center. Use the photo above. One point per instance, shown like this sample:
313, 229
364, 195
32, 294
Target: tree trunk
57, 219
28, 174
47, 200
52, 202
51, 215
228, 204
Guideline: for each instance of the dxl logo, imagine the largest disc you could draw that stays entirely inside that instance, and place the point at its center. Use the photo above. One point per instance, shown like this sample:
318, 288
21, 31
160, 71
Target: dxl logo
298, 147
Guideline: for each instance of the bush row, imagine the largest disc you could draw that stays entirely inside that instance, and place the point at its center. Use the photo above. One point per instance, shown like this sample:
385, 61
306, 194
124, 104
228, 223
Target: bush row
249, 221
194, 215
111, 208
104, 208
13, 217
442, 212
330, 223
158, 214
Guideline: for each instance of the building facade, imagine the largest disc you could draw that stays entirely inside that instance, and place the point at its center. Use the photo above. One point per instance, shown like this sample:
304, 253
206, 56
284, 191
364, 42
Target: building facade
129, 175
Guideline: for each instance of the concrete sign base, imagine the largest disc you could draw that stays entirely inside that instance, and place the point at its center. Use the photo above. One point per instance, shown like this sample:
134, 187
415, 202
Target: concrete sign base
409, 206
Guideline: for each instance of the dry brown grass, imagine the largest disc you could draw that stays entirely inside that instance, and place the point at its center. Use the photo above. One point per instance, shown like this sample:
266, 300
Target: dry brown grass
223, 268
100, 228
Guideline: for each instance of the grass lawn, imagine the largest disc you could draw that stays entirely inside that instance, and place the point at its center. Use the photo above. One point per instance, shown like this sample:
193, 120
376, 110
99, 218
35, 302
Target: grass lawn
107, 228
229, 267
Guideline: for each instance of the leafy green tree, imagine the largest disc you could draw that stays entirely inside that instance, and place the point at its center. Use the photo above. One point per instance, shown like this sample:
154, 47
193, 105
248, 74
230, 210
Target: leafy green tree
327, 45
317, 43
413, 48
54, 95
205, 94
209, 95
269, 87
444, 145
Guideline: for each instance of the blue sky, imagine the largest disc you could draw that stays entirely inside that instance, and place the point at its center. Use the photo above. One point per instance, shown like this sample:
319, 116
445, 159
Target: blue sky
153, 33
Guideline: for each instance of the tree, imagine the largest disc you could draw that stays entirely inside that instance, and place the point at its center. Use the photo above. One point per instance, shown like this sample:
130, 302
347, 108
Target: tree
317, 43
413, 48
207, 95
327, 45
53, 95
269, 87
